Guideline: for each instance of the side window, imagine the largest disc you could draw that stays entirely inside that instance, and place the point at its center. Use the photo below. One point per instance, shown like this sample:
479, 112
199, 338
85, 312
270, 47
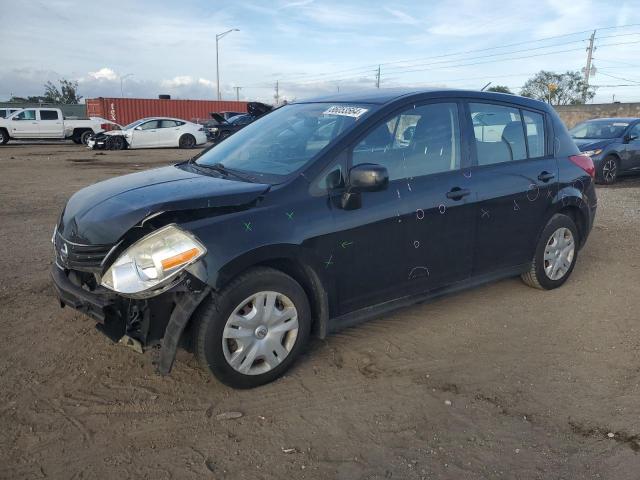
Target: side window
534, 123
419, 141
498, 132
150, 125
26, 115
168, 123
48, 115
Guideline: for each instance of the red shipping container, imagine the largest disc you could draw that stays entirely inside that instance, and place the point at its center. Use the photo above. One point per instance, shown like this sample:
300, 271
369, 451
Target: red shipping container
127, 110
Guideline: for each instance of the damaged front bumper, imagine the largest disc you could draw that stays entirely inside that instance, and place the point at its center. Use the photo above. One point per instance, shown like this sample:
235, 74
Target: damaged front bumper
141, 323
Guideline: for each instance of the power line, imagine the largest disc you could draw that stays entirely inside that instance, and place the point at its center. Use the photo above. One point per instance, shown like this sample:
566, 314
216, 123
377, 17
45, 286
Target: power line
373, 66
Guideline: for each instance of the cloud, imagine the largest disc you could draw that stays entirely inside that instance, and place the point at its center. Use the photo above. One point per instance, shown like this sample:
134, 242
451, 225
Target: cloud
104, 74
402, 17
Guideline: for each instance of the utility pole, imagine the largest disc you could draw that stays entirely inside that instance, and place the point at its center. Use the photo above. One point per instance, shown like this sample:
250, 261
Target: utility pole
237, 93
587, 68
277, 95
378, 78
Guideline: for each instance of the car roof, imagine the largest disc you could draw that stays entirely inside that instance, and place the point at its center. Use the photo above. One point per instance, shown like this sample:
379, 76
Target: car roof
381, 96
162, 118
613, 119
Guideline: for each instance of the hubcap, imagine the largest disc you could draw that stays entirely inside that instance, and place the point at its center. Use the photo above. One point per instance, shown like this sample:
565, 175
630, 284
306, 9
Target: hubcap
558, 254
609, 170
260, 333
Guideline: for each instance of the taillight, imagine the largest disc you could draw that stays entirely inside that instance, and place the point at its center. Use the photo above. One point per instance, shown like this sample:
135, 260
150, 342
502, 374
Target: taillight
585, 163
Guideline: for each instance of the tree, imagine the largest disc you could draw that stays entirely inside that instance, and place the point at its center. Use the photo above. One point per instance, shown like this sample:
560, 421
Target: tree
67, 93
499, 89
567, 88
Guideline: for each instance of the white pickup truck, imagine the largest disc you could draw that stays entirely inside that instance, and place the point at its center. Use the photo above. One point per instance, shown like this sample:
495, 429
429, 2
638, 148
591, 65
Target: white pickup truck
47, 123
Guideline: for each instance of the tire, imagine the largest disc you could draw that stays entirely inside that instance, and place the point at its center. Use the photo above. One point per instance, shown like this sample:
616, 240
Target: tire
4, 136
271, 353
115, 142
608, 170
540, 274
84, 136
187, 141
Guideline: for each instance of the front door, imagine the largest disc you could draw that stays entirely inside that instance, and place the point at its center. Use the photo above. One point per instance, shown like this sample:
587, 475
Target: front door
371, 243
515, 180
439, 195
631, 162
146, 135
50, 124
25, 125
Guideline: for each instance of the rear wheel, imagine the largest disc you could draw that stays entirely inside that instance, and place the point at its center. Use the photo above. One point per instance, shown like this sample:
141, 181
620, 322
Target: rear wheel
187, 141
556, 254
4, 137
608, 171
252, 332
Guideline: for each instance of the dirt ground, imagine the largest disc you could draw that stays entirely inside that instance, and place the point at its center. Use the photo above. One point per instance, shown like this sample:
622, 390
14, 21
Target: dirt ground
502, 381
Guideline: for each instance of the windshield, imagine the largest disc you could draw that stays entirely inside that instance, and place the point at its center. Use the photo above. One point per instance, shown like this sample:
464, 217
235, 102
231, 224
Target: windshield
286, 139
133, 125
599, 129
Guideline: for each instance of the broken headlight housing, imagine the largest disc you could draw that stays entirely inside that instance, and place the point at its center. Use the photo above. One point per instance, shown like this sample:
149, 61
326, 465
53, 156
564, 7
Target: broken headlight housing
153, 261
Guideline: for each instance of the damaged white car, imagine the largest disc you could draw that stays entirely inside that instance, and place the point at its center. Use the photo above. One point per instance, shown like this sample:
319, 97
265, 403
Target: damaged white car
152, 132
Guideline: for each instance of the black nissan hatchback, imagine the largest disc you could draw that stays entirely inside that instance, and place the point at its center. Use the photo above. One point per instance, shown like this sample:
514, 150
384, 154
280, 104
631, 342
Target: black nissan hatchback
319, 215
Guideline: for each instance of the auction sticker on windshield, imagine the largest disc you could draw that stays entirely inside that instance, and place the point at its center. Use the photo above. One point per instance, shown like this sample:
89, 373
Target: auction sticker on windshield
345, 111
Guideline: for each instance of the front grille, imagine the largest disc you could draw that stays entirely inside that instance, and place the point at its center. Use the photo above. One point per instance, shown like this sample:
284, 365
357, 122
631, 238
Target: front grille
85, 258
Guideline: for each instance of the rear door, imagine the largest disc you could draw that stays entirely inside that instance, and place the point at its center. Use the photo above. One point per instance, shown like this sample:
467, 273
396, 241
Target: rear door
168, 133
50, 123
24, 124
515, 178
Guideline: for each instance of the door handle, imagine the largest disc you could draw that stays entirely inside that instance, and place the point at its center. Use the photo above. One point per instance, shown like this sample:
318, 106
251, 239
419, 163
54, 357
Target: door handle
545, 176
457, 193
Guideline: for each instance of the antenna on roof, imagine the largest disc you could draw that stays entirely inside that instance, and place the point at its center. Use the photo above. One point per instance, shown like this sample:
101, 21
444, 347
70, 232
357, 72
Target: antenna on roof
482, 89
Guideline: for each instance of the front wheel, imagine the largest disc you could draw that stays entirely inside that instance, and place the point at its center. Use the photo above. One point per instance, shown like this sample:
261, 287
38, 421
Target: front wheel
84, 137
252, 331
608, 171
4, 137
556, 254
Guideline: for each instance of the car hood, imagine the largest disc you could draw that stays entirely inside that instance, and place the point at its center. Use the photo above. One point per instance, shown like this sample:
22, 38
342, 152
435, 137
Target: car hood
585, 144
102, 213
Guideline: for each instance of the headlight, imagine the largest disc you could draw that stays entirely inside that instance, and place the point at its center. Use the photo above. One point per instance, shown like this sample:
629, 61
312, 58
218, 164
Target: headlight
593, 153
153, 260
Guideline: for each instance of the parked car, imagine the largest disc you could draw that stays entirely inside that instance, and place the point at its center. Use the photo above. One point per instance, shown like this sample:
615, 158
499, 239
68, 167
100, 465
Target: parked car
5, 112
612, 143
320, 215
151, 133
47, 123
230, 125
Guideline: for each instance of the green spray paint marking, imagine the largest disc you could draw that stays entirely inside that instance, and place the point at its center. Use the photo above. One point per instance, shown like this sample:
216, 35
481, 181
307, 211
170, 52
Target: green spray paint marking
346, 244
290, 215
247, 227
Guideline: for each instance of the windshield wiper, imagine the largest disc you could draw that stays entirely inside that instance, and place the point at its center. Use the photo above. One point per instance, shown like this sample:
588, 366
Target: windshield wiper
218, 167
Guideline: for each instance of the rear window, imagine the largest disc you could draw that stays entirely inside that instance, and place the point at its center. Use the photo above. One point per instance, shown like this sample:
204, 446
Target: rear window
501, 136
48, 115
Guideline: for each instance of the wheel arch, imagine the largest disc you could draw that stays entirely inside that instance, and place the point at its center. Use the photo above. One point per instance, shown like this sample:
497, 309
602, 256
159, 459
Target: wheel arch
290, 260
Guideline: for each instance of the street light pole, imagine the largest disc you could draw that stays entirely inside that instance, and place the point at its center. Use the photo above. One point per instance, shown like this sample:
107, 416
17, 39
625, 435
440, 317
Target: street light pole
218, 37
122, 77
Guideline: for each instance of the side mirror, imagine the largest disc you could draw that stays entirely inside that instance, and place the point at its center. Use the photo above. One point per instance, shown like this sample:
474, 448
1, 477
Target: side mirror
138, 128
15, 118
630, 138
366, 177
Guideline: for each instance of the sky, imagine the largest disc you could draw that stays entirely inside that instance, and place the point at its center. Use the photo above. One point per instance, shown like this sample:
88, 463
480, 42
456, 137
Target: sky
311, 47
